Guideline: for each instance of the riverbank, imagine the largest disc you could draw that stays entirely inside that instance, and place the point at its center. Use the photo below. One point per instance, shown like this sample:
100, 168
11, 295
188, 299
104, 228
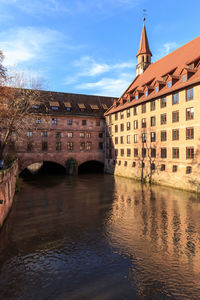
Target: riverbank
8, 179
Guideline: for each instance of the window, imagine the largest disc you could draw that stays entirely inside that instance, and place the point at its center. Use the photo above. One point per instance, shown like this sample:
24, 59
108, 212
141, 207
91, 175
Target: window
110, 119
101, 146
128, 152
135, 110
128, 126
128, 113
163, 119
11, 145
153, 136
163, 152
116, 140
144, 137
122, 127
143, 108
121, 139
153, 105
116, 128
175, 134
146, 93
88, 135
44, 133
54, 107
128, 139
135, 124
153, 121
54, 120
163, 102
88, 146
175, 152
163, 136
188, 170
189, 94
58, 146
174, 168
69, 122
84, 122
175, 116
100, 135
157, 89
122, 152
189, 152
190, 113
116, 152
29, 133
143, 152
162, 168
116, 116
134, 164
135, 152
153, 166
121, 115
82, 134
136, 97
189, 133
82, 146
144, 123
70, 134
169, 84
44, 146
58, 135
135, 138
38, 121
184, 78
35, 106
153, 152
125, 163
68, 108
119, 162
69, 146
29, 146
98, 123
175, 98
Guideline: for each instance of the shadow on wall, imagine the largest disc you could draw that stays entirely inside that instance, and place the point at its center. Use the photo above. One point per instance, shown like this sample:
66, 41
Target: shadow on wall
91, 166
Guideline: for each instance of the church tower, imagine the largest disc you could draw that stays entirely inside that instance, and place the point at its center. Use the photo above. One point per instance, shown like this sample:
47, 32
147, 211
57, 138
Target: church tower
144, 54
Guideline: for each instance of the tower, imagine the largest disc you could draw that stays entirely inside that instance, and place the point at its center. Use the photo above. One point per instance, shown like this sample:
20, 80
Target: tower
144, 54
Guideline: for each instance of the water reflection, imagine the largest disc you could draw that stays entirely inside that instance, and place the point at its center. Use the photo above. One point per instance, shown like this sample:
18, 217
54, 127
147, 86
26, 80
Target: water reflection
99, 237
158, 228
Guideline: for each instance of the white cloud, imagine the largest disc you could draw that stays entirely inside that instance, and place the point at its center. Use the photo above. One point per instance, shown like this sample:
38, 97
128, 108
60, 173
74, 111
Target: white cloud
21, 45
88, 67
108, 86
166, 49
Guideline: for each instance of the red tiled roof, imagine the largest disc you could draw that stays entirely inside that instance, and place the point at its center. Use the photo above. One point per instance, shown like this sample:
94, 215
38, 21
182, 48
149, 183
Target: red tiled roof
177, 61
144, 45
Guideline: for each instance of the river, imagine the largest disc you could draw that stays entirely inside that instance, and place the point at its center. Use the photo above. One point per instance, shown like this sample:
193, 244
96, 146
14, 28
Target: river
97, 237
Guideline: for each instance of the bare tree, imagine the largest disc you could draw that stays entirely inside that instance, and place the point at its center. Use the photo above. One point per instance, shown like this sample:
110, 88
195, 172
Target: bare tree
16, 103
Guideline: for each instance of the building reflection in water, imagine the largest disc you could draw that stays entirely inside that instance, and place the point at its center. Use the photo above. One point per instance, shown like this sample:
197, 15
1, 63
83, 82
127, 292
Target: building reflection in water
158, 228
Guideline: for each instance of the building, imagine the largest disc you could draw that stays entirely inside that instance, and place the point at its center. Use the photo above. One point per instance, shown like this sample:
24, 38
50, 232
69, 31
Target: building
153, 129
63, 128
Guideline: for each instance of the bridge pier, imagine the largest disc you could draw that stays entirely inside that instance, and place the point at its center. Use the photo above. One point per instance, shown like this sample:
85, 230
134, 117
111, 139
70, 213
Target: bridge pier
71, 167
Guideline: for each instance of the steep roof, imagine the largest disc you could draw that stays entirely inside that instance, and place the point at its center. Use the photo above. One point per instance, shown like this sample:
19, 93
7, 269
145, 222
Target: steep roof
172, 64
144, 44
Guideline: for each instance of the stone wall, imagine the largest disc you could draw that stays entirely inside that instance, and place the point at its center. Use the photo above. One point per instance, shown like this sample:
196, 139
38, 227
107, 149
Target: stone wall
7, 190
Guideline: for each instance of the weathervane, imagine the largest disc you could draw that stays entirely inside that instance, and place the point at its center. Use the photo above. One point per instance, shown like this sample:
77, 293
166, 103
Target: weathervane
144, 13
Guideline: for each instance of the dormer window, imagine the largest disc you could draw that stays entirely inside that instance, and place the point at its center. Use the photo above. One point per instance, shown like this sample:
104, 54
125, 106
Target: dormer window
67, 106
157, 89
184, 78
54, 105
136, 97
146, 93
169, 84
35, 106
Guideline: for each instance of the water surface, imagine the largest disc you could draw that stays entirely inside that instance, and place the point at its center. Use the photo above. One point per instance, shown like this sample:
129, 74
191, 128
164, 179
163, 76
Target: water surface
100, 237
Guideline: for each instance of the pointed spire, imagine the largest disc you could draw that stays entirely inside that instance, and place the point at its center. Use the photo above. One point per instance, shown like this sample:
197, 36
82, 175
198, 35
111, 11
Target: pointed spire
144, 44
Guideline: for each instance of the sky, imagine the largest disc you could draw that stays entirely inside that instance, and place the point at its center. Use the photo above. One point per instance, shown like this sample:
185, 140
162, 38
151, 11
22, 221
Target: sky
89, 46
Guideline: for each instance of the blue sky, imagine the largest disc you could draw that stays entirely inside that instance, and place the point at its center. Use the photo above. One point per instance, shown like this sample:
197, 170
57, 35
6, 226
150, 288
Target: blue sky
89, 46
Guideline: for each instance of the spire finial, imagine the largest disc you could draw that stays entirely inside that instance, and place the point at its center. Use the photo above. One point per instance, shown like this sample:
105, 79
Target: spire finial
144, 12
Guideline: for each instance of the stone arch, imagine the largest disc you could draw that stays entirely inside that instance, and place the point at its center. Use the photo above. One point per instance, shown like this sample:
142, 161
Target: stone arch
91, 166
23, 165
